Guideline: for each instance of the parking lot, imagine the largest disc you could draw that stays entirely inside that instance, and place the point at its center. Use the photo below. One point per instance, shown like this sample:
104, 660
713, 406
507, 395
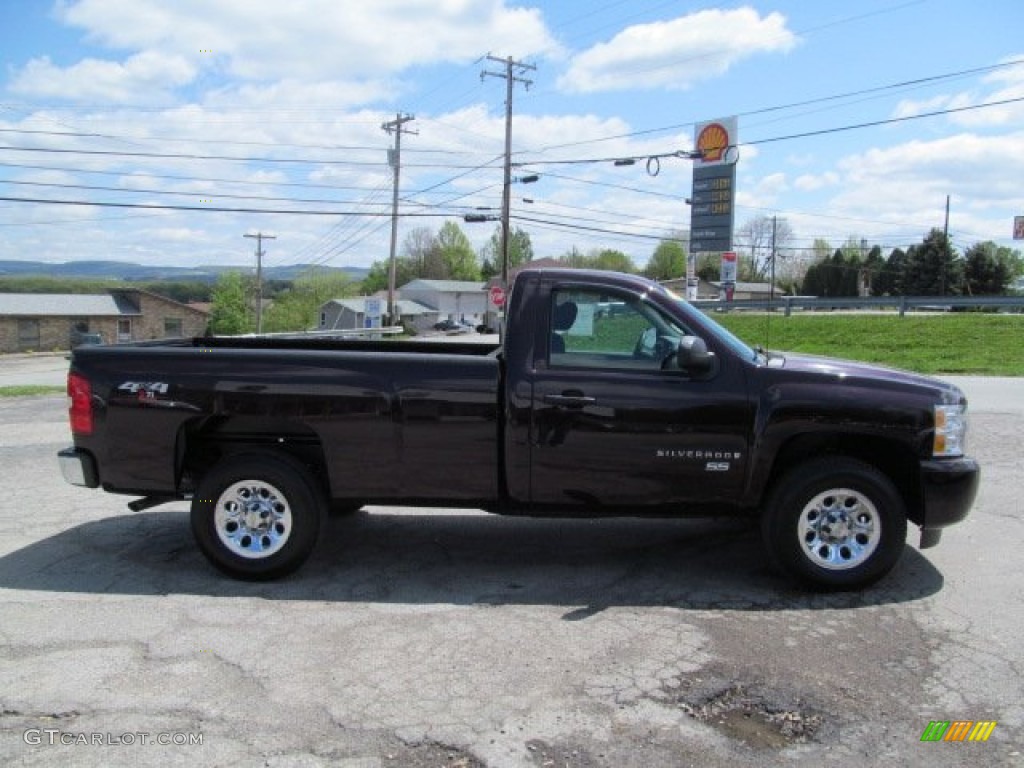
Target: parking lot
453, 638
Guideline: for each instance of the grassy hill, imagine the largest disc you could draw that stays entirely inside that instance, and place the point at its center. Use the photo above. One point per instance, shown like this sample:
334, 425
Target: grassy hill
953, 342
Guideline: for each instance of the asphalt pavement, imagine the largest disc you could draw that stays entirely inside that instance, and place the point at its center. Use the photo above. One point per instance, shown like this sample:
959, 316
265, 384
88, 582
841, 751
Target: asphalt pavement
454, 638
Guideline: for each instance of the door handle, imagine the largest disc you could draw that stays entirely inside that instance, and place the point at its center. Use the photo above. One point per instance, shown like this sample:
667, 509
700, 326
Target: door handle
569, 400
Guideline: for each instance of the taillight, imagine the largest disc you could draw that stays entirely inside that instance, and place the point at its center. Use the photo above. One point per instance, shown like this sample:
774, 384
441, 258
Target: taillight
80, 412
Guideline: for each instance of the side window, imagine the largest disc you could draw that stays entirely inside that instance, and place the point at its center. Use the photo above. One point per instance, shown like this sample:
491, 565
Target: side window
593, 329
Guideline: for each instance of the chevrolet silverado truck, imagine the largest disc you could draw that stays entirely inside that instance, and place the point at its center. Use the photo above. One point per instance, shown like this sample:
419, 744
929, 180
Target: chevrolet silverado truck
607, 396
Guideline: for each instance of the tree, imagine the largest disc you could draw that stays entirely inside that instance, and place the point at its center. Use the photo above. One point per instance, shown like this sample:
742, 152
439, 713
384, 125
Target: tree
874, 266
821, 249
574, 258
606, 259
889, 280
377, 278
985, 273
296, 309
836, 276
457, 253
231, 312
181, 290
933, 268
613, 261
423, 254
520, 251
755, 238
668, 261
709, 267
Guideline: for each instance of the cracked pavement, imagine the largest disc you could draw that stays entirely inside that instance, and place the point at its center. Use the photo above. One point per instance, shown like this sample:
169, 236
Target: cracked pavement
453, 638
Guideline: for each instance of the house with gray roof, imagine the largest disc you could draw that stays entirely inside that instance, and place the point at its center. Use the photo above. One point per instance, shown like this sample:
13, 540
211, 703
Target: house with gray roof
451, 299
32, 322
351, 314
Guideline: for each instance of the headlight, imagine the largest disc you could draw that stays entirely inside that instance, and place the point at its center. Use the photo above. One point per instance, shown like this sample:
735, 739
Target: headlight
950, 430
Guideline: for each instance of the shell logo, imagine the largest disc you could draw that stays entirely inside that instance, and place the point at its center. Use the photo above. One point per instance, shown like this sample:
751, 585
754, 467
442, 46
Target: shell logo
712, 142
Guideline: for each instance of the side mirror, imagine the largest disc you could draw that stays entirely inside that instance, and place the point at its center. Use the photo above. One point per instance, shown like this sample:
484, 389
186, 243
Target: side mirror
693, 356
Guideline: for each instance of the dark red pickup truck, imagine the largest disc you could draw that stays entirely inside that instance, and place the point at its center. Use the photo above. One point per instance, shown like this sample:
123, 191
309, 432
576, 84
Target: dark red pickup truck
608, 396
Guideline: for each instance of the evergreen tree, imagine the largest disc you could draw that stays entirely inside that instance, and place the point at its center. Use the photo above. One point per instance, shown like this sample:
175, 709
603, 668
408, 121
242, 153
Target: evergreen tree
890, 280
984, 272
933, 268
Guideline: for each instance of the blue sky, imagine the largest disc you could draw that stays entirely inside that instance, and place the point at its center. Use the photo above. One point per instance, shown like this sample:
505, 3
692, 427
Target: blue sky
277, 107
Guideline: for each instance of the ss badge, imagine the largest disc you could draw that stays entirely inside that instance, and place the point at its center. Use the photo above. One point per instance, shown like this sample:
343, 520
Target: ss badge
716, 466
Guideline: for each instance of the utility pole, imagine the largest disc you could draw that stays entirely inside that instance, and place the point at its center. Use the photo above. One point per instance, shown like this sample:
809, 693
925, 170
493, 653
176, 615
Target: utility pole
946, 252
260, 237
395, 161
771, 294
512, 75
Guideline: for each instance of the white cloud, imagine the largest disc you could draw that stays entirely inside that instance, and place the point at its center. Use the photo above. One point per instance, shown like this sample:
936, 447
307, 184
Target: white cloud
677, 54
898, 193
274, 40
146, 78
810, 182
1009, 86
911, 108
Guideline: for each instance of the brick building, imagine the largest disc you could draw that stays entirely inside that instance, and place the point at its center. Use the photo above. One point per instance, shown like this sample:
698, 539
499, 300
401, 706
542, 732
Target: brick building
32, 322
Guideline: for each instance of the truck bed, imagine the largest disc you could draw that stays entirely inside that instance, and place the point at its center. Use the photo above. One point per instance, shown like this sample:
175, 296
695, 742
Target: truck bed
369, 408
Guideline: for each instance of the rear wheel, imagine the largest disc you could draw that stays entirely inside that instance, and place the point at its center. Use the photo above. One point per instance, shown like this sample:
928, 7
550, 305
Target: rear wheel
257, 516
835, 523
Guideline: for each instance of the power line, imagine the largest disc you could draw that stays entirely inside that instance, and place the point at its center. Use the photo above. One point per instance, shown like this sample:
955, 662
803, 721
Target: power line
233, 142
145, 191
228, 158
804, 103
212, 209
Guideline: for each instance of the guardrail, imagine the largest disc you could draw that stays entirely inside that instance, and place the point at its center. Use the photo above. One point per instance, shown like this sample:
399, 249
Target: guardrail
901, 303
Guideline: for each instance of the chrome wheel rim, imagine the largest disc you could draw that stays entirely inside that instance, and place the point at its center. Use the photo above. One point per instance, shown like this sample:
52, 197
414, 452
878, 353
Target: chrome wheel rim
839, 529
253, 519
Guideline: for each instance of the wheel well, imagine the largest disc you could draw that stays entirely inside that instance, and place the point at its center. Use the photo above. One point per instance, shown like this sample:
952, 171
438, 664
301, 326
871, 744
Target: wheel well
203, 444
895, 461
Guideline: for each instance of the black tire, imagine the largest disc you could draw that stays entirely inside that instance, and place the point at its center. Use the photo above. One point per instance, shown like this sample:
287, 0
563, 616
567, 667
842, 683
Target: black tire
257, 516
835, 523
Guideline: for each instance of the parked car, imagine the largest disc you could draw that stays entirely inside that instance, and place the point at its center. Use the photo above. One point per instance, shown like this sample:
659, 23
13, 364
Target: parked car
452, 327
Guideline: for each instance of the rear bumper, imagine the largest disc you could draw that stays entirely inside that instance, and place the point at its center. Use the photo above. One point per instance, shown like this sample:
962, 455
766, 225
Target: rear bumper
948, 488
78, 467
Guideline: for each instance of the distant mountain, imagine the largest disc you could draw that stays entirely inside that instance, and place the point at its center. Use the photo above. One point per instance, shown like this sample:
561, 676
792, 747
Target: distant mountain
129, 272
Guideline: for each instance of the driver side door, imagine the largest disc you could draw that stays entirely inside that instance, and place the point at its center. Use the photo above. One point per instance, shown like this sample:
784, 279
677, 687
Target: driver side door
614, 424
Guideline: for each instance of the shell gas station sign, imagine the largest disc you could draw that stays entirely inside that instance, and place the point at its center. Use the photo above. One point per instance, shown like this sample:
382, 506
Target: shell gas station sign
712, 200
716, 141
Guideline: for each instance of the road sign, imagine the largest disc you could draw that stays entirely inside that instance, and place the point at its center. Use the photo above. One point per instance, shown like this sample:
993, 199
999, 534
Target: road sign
497, 295
729, 267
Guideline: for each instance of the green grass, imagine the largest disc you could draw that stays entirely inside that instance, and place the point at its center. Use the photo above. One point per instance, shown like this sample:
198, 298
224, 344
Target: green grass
31, 389
957, 343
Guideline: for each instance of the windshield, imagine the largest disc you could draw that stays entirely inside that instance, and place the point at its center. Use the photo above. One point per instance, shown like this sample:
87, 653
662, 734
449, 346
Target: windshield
724, 335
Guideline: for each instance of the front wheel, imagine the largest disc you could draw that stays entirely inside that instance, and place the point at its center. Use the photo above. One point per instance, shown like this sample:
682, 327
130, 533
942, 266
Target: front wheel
835, 523
257, 516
